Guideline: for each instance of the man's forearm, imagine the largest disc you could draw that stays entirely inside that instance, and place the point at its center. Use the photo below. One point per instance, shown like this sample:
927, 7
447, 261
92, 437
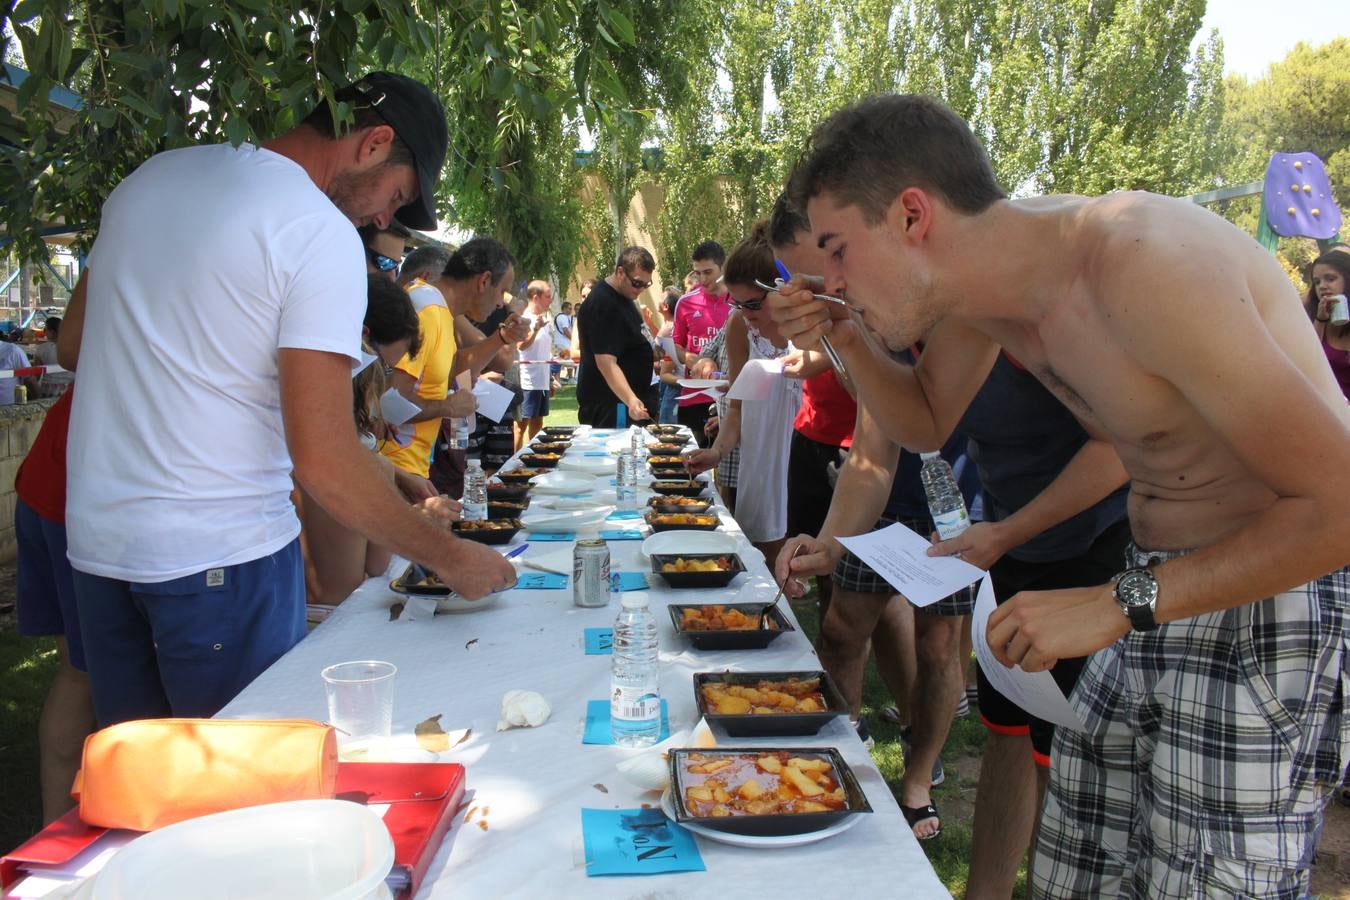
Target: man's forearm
680, 354
479, 355
614, 377
864, 484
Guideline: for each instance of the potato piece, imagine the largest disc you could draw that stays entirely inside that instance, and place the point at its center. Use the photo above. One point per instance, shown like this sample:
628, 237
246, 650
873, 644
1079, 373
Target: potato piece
720, 811
769, 764
701, 794
808, 705
801, 782
732, 706
812, 806
809, 765
761, 710
720, 795
717, 765
751, 790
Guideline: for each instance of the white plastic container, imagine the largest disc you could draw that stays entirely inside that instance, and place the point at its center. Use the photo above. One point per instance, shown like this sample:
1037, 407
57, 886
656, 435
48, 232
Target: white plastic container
304, 850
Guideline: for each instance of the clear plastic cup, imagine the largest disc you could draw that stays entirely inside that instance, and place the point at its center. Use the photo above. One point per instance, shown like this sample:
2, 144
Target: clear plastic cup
360, 699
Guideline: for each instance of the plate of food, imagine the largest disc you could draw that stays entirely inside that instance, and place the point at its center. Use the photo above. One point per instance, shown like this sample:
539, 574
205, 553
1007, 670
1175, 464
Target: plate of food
761, 704
561, 432
558, 447
667, 448
685, 487
422, 582
487, 531
675, 504
683, 521
717, 626
757, 841
666, 543
521, 475
764, 792
697, 570
506, 509
541, 460
563, 482
669, 431
496, 490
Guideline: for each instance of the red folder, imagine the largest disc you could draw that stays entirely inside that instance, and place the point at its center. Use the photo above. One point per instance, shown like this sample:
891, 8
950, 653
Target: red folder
422, 798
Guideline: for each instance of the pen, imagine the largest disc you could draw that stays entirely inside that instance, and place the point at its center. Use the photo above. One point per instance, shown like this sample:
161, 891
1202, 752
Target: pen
516, 552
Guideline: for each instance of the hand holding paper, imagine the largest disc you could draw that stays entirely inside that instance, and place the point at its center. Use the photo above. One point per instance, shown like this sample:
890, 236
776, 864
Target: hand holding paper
493, 399
901, 557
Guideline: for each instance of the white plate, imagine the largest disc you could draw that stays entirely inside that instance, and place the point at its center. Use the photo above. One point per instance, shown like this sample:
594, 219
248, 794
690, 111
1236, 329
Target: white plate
759, 841
590, 465
703, 384
679, 541
563, 483
454, 603
565, 519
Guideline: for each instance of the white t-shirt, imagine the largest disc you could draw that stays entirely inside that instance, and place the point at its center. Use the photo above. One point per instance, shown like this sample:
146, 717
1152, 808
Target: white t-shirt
562, 326
534, 370
208, 261
11, 357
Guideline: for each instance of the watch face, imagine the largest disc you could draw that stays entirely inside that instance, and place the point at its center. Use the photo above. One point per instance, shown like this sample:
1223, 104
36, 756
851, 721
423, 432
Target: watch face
1136, 589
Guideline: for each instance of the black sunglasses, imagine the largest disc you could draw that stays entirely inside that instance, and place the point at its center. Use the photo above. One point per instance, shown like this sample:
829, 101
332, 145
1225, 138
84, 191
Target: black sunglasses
382, 262
640, 285
751, 305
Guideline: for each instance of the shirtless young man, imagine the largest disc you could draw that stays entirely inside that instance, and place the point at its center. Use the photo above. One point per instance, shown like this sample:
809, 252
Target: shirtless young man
1214, 726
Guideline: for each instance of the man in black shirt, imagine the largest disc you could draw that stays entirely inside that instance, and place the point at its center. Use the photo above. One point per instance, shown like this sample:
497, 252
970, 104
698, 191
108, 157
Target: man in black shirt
616, 357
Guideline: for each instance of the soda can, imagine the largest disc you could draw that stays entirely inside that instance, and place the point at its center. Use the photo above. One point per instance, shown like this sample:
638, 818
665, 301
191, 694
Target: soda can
1340, 310
590, 573
20, 394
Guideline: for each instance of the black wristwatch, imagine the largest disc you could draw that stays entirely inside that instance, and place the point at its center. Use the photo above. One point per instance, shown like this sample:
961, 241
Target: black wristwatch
1136, 592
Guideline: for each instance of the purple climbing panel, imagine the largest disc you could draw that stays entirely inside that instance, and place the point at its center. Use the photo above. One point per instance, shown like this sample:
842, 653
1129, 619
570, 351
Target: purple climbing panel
1298, 197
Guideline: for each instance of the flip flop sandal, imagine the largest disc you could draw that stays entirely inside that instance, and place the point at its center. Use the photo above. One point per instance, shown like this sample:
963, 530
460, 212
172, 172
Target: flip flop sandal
916, 814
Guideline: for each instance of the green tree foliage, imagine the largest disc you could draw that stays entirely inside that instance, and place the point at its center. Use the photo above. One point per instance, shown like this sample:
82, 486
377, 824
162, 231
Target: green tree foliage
156, 74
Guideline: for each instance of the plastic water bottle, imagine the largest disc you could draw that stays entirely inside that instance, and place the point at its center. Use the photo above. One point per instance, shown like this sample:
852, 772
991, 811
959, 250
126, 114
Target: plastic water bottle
945, 503
637, 441
625, 480
475, 493
459, 433
635, 693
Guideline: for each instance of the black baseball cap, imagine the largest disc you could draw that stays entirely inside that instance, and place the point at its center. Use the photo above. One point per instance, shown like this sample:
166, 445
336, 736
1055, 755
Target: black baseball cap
418, 118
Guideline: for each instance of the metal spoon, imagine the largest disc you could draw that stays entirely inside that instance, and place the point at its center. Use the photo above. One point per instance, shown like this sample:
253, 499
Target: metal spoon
764, 614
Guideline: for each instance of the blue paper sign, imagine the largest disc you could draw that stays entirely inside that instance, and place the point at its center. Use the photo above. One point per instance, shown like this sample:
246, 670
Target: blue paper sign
637, 842
616, 534
601, 433
598, 730
627, 581
625, 514
541, 581
596, 453
599, 641
553, 535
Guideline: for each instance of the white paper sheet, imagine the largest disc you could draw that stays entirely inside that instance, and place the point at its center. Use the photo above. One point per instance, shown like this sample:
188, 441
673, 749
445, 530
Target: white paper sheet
396, 409
901, 557
358, 368
1035, 692
756, 380
493, 399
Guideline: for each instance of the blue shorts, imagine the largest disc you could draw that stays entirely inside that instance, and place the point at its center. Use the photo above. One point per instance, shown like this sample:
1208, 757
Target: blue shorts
186, 647
46, 592
534, 405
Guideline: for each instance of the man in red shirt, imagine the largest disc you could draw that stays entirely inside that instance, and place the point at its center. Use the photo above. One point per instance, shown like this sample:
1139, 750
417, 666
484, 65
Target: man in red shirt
698, 317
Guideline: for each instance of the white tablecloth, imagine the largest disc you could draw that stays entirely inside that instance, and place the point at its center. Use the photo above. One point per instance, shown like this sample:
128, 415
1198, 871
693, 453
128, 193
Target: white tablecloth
532, 782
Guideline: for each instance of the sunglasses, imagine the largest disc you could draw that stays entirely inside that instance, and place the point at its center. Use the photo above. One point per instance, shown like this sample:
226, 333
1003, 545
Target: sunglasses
639, 285
751, 305
382, 262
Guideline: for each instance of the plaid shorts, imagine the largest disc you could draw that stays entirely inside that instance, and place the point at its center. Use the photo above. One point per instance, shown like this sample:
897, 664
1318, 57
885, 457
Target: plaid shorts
852, 574
1211, 748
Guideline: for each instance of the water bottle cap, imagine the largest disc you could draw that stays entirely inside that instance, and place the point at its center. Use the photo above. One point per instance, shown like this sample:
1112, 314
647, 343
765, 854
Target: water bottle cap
928, 456
634, 601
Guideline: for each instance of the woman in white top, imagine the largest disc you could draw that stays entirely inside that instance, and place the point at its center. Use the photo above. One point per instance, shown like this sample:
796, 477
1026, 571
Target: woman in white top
761, 428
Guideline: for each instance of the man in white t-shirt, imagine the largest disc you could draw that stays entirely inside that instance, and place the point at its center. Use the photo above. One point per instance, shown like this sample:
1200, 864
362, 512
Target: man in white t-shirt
536, 376
241, 267
13, 357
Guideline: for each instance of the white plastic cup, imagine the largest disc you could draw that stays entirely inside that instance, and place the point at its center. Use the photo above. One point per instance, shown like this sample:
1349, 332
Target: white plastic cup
1340, 310
360, 699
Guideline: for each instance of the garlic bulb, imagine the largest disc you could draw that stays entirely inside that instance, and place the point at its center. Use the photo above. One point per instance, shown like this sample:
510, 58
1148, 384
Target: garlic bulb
523, 709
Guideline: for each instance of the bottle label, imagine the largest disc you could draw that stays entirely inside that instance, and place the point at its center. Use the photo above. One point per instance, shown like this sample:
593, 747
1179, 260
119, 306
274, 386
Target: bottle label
950, 524
473, 512
639, 709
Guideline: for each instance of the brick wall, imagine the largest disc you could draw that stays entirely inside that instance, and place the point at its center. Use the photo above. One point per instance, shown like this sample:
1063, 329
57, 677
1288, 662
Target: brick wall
19, 426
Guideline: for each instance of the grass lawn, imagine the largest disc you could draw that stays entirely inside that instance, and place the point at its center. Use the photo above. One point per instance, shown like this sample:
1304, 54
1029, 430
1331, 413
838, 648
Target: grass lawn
27, 666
